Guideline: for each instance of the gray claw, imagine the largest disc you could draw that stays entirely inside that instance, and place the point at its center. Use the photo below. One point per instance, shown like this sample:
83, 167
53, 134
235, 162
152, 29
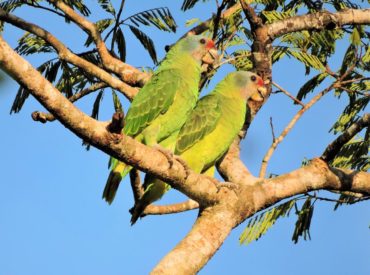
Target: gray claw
167, 153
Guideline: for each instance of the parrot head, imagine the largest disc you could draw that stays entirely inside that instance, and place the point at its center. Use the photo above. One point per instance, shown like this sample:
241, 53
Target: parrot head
201, 48
252, 85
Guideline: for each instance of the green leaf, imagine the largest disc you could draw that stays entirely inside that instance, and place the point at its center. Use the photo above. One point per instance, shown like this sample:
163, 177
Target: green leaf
146, 42
366, 57
272, 16
350, 114
188, 4
121, 44
310, 85
101, 25
19, 100
242, 60
191, 22
348, 59
355, 37
302, 226
345, 199
307, 59
30, 44
278, 53
161, 18
49, 69
354, 155
78, 5
96, 106
107, 6
258, 225
116, 102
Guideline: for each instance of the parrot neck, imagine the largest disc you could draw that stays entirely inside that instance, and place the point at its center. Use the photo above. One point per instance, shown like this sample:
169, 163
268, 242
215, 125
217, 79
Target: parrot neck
175, 58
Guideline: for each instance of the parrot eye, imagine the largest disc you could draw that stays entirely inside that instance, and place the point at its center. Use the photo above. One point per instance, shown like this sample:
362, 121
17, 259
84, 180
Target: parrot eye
253, 78
202, 41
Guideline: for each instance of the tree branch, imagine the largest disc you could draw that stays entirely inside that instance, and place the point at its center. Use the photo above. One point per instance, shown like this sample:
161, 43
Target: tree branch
315, 176
45, 117
171, 208
123, 148
333, 148
200, 244
287, 129
318, 21
66, 55
254, 21
288, 94
137, 188
127, 73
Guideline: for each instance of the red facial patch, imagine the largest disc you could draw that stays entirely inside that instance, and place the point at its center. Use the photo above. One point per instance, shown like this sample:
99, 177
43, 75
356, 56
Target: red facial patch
210, 44
260, 82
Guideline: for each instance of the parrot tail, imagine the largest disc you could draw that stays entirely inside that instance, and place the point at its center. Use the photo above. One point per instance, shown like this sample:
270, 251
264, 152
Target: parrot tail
115, 176
153, 191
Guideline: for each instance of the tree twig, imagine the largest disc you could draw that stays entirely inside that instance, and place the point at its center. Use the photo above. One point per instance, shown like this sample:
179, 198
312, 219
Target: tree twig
254, 21
287, 129
66, 55
171, 208
137, 188
127, 73
45, 117
288, 94
333, 148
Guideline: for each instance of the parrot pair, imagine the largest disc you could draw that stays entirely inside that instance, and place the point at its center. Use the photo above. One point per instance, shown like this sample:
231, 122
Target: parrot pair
162, 115
208, 132
163, 104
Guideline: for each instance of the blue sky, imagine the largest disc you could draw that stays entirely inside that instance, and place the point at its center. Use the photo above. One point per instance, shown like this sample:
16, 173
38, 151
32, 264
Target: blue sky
53, 220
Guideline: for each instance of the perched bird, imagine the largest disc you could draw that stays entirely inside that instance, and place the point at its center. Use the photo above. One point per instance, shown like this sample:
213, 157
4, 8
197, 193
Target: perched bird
209, 131
163, 104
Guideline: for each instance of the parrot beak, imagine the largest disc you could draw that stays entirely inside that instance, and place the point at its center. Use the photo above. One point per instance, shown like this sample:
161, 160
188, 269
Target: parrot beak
260, 94
211, 56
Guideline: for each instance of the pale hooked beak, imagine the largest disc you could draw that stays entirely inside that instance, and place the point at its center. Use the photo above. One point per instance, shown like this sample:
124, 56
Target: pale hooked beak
260, 94
211, 56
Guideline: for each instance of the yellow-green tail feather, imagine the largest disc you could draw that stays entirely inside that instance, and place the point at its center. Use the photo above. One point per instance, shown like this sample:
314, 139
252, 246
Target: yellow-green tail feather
115, 176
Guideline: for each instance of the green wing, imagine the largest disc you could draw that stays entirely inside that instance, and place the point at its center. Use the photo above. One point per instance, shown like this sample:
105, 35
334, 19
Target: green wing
201, 121
146, 107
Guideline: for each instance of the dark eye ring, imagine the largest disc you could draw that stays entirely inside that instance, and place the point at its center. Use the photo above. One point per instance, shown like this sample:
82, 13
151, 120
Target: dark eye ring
253, 78
202, 41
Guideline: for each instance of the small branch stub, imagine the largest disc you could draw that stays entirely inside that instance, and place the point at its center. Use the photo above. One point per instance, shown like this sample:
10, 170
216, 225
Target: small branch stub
117, 124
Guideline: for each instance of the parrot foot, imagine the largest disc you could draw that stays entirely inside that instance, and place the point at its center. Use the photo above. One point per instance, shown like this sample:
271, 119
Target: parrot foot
167, 153
184, 164
229, 185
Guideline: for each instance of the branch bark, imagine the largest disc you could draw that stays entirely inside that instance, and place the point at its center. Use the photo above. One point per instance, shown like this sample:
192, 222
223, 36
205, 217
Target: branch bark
334, 147
171, 208
127, 73
318, 21
66, 55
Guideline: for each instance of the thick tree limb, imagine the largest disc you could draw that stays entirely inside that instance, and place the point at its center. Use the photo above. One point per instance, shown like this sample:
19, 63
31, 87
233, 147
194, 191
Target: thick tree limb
127, 73
66, 55
333, 148
194, 251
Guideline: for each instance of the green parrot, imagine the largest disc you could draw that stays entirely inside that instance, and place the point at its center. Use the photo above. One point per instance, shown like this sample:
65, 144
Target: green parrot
163, 104
208, 132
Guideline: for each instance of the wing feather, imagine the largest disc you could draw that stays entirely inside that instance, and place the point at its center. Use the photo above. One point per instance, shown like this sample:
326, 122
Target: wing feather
201, 122
146, 107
